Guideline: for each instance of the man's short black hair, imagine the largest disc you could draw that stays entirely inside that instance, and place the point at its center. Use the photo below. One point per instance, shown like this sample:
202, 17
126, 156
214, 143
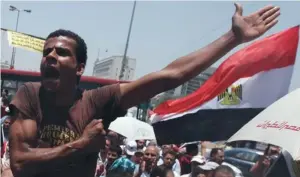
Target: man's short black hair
159, 171
215, 151
190, 148
116, 148
173, 153
224, 169
81, 50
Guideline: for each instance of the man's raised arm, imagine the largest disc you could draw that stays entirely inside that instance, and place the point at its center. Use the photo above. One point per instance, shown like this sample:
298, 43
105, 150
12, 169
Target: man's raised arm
27, 159
244, 29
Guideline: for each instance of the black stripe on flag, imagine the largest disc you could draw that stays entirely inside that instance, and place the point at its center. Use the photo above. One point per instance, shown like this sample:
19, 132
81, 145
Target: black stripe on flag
209, 125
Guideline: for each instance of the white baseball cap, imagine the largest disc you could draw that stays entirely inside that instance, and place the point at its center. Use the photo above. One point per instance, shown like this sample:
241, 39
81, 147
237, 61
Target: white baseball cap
7, 109
199, 159
131, 148
208, 166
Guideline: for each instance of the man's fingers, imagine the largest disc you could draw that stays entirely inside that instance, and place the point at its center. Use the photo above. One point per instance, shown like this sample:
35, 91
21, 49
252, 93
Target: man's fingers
271, 24
99, 126
265, 9
238, 9
93, 123
272, 18
269, 13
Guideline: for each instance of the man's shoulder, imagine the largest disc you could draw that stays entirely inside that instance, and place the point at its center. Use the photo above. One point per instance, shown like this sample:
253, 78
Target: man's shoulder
30, 87
26, 99
33, 84
103, 95
104, 89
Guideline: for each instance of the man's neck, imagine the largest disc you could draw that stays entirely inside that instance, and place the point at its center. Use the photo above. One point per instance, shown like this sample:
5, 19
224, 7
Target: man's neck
66, 97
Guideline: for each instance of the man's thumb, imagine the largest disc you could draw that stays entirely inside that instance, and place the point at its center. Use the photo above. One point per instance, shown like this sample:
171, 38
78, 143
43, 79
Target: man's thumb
238, 9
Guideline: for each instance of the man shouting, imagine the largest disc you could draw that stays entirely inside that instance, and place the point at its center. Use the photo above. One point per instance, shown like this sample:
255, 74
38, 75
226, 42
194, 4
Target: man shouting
55, 131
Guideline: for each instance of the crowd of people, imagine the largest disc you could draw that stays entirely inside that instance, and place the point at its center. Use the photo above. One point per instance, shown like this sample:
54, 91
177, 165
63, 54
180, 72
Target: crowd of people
144, 158
57, 129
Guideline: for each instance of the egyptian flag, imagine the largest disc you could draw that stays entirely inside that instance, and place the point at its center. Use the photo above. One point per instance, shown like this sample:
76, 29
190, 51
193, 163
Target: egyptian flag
242, 86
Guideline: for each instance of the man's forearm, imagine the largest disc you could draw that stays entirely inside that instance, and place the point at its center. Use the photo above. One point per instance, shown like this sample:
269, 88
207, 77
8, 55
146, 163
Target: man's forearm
176, 73
189, 66
35, 160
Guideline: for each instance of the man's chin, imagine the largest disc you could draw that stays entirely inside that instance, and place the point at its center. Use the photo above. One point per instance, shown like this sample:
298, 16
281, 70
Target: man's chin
50, 84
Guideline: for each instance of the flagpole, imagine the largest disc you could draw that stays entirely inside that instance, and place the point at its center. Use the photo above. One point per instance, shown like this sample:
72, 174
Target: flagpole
124, 60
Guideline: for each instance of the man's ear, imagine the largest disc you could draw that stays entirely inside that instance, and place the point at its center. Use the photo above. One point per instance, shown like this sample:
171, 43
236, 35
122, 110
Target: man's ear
80, 69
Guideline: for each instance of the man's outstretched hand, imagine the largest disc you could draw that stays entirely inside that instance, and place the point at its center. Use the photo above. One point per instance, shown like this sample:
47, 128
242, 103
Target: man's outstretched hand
247, 28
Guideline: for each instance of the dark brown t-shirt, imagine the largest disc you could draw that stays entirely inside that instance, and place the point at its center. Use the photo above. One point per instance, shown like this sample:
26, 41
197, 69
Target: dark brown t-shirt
60, 125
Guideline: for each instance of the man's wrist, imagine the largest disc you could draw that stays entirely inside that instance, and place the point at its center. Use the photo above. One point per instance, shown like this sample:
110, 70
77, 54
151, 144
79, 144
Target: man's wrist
78, 145
232, 38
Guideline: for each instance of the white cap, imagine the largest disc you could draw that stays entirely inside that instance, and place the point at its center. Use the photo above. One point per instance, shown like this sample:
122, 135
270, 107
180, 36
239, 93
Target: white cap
208, 166
7, 109
199, 159
131, 148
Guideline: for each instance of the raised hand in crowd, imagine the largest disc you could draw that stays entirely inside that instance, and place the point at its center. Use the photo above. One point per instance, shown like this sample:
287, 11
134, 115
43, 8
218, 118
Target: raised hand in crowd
247, 28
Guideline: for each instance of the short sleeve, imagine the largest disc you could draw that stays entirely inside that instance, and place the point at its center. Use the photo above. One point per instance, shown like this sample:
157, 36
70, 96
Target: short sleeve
23, 102
107, 103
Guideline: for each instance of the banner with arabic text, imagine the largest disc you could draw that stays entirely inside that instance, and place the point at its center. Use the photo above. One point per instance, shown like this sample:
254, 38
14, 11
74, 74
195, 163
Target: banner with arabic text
25, 41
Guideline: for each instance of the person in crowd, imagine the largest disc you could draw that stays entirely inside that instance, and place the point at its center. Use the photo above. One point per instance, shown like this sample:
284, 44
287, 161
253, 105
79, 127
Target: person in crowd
169, 159
5, 163
175, 147
122, 167
137, 158
224, 171
115, 137
4, 94
149, 162
5, 125
217, 155
130, 149
208, 169
114, 152
162, 171
151, 143
201, 168
63, 115
195, 162
133, 154
4, 106
261, 167
140, 144
185, 160
102, 156
5, 160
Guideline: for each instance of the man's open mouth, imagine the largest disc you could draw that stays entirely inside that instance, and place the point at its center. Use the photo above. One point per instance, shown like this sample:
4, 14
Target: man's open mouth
50, 73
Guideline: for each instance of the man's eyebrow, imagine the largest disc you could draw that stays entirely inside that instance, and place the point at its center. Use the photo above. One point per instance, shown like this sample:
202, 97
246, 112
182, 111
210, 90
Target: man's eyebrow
59, 48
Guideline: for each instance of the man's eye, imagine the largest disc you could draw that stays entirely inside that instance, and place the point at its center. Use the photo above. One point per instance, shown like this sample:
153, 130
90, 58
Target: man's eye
46, 52
62, 52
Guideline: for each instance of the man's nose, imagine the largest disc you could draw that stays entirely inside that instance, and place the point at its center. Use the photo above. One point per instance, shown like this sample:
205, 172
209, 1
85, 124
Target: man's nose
51, 58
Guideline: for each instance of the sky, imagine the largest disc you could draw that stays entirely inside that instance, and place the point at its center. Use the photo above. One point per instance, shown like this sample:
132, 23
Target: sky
162, 30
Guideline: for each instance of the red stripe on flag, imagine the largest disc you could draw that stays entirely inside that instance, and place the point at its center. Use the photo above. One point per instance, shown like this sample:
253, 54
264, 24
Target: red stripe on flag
275, 51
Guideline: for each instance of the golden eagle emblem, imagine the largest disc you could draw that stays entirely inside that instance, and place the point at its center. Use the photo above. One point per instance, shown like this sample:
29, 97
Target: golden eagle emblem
231, 96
